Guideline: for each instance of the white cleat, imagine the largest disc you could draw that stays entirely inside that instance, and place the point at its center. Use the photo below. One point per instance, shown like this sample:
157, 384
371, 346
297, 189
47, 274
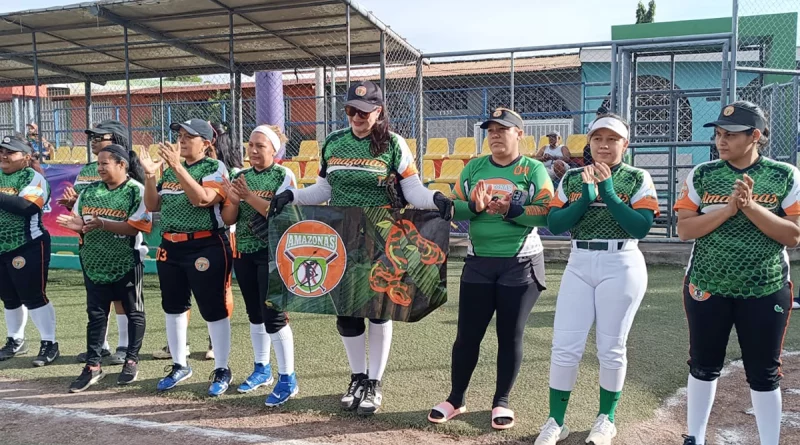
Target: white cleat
602, 431
551, 433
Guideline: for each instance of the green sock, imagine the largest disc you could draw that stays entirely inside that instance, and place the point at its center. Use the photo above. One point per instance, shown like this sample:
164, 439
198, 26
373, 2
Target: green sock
608, 403
558, 405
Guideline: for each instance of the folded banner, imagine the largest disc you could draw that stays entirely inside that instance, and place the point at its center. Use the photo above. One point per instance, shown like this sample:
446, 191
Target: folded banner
359, 262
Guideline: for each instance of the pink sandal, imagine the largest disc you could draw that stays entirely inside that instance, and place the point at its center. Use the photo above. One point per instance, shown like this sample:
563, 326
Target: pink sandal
447, 410
499, 412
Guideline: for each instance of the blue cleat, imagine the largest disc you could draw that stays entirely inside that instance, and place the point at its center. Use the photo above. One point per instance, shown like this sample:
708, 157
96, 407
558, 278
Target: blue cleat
220, 381
284, 390
177, 374
261, 376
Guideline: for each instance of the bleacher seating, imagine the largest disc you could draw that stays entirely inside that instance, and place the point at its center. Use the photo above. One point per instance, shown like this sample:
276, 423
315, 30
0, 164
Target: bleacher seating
310, 173
451, 171
138, 149
428, 171
464, 148
544, 141
527, 146
575, 144
441, 187
294, 167
485, 150
153, 150
437, 148
62, 155
412, 146
309, 151
79, 155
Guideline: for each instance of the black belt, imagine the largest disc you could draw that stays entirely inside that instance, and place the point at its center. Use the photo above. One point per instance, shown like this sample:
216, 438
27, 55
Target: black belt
598, 245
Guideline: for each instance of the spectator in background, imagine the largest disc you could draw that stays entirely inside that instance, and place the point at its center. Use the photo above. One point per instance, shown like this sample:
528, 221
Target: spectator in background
45, 149
554, 157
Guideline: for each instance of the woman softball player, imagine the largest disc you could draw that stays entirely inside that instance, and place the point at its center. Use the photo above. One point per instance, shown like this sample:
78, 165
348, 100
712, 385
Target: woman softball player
110, 215
348, 183
24, 253
251, 192
742, 211
607, 207
504, 270
104, 134
195, 255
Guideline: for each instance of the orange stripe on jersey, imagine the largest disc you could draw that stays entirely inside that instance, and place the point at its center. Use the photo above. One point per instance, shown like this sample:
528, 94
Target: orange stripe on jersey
216, 186
685, 203
458, 192
411, 170
36, 199
144, 226
793, 210
556, 202
648, 202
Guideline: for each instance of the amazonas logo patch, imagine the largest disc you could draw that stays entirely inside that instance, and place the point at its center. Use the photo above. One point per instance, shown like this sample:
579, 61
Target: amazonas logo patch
311, 259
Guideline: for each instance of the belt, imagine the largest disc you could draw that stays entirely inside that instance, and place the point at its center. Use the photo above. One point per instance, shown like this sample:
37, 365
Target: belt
181, 237
599, 245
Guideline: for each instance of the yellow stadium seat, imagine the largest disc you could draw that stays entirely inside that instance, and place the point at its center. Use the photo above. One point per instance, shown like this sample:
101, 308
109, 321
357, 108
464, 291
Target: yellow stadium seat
294, 167
576, 143
246, 164
485, 150
153, 151
438, 148
451, 171
441, 187
412, 146
465, 148
428, 171
62, 154
310, 175
138, 149
309, 151
527, 146
544, 141
79, 155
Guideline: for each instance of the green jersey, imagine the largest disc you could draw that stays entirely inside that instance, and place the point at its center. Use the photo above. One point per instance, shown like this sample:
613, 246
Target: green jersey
106, 257
527, 183
17, 230
86, 176
737, 259
357, 178
632, 185
178, 215
265, 184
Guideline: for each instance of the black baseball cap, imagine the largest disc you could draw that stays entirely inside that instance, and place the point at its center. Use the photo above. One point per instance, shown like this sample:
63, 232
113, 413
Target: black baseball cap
739, 116
504, 117
109, 126
195, 127
14, 143
364, 96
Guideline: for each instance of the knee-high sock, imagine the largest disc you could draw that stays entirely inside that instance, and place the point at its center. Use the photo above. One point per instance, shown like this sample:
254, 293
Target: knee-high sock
284, 349
122, 327
768, 408
16, 319
700, 398
380, 343
261, 343
220, 332
176, 336
45, 320
356, 353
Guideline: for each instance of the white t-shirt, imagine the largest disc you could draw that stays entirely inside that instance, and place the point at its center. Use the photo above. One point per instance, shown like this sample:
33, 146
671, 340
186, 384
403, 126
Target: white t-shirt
552, 151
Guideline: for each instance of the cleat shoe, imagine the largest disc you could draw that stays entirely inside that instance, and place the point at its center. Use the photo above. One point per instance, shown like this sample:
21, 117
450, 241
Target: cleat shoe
13, 348
177, 374
220, 381
795, 305
373, 398
551, 433
104, 353
48, 352
118, 357
283, 391
261, 376
130, 371
602, 431
164, 354
352, 397
689, 440
89, 376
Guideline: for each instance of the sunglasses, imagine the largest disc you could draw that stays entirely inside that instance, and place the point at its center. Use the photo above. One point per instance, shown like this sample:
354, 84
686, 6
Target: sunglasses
352, 111
101, 138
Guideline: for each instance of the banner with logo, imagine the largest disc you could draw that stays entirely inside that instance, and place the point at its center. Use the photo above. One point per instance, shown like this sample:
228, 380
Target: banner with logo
58, 178
360, 262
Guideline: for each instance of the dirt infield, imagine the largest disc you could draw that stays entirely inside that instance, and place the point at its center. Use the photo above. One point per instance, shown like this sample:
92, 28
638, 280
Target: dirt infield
38, 414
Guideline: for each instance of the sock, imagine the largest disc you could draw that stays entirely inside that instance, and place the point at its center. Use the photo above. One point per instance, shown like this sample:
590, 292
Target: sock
177, 324
284, 349
260, 341
608, 403
122, 327
699, 400
45, 320
356, 353
768, 408
16, 319
220, 332
380, 342
106, 346
558, 405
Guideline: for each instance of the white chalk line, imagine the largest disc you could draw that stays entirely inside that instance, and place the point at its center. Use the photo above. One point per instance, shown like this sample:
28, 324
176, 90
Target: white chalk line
210, 433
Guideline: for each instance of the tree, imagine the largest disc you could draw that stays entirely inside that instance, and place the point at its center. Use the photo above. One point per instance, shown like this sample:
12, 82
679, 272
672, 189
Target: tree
646, 15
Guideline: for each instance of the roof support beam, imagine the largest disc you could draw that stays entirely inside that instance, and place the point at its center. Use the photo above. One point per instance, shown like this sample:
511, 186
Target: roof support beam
11, 55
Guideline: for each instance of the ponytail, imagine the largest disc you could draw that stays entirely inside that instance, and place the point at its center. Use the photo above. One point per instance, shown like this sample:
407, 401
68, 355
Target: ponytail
135, 170
380, 135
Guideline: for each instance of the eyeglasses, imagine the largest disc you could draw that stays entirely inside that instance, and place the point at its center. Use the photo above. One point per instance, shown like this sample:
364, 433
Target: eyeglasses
352, 111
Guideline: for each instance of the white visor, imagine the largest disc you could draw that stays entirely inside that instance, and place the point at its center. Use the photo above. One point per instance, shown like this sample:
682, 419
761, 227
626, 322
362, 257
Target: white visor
612, 124
271, 135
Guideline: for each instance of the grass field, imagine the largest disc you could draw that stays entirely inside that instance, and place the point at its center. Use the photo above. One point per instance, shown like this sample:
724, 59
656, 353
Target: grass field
419, 367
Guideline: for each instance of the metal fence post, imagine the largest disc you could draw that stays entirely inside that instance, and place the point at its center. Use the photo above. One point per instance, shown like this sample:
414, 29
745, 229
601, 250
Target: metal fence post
239, 113
87, 91
347, 50
420, 117
796, 117
38, 99
128, 88
161, 104
614, 75
734, 49
234, 134
333, 98
383, 64
511, 89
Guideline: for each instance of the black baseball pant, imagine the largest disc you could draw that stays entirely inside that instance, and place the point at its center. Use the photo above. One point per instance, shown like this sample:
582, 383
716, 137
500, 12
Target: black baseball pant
252, 274
23, 274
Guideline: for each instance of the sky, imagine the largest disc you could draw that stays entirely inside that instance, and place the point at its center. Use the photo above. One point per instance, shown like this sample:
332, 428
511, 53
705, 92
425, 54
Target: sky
456, 25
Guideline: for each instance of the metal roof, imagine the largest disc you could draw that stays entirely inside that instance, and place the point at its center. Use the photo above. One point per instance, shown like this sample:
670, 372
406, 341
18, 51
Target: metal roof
167, 38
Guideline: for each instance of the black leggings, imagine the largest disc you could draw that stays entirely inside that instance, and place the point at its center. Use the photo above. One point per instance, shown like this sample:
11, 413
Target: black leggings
477, 305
